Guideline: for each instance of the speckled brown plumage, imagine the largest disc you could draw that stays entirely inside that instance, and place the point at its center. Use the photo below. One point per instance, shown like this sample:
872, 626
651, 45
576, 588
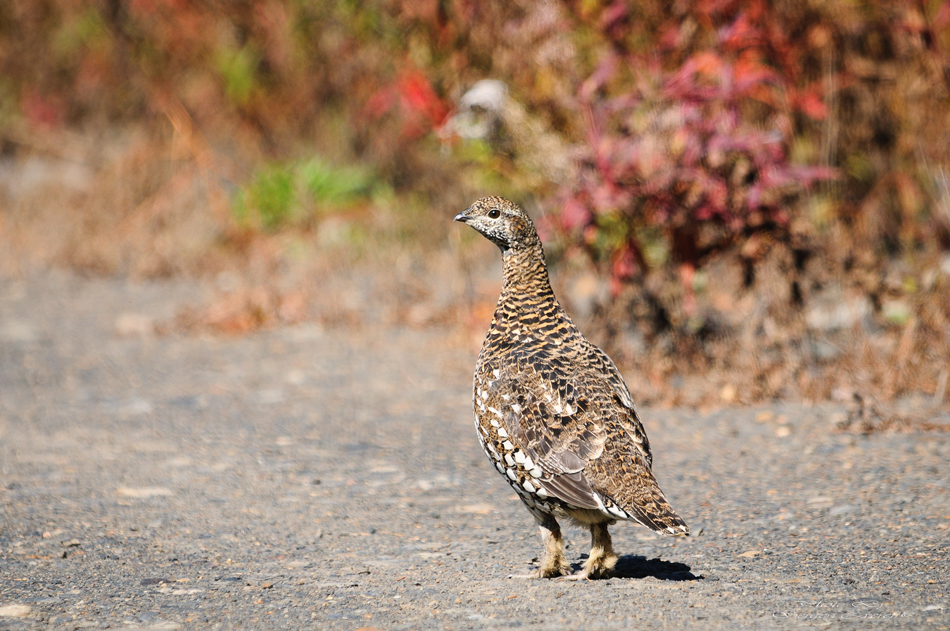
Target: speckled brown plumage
553, 412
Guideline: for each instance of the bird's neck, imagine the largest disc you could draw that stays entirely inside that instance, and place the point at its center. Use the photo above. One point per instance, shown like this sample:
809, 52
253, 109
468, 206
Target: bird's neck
526, 275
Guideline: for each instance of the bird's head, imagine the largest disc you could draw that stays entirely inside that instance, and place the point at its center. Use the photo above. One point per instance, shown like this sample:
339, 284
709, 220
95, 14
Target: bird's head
502, 222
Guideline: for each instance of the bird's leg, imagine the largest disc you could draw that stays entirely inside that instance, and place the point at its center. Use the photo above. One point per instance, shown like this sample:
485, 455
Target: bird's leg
553, 562
602, 558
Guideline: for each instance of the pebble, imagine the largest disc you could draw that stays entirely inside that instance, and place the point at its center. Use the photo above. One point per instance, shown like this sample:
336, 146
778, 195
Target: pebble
14, 611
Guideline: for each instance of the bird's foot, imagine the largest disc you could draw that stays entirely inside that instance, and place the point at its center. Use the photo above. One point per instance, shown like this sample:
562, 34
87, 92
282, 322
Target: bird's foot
580, 576
585, 575
596, 567
527, 577
555, 568
548, 570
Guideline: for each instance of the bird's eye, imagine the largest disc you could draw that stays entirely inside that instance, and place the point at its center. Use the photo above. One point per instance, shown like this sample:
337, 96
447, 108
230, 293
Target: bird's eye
494, 213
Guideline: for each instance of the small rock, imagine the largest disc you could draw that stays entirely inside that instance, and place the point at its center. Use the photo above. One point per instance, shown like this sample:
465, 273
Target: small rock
143, 492
134, 325
14, 611
843, 509
841, 393
479, 509
728, 393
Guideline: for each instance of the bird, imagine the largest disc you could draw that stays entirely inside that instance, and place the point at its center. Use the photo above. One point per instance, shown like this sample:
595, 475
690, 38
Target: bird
552, 411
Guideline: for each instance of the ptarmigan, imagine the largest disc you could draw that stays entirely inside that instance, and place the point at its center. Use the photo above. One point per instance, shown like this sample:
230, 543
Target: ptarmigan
552, 411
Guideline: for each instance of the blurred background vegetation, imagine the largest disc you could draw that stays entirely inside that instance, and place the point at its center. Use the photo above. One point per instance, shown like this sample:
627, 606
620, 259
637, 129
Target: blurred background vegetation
741, 200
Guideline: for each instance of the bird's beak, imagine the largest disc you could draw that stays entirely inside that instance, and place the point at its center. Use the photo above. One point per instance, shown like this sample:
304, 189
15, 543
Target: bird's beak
462, 216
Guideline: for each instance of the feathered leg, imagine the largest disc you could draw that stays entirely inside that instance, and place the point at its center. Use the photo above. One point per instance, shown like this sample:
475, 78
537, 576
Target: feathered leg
553, 562
602, 558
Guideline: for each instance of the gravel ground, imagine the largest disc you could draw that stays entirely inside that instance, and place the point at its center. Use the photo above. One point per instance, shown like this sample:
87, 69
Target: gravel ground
317, 478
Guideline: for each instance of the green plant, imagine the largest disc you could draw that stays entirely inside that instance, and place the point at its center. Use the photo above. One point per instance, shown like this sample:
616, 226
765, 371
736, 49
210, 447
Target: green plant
238, 70
270, 198
327, 185
281, 195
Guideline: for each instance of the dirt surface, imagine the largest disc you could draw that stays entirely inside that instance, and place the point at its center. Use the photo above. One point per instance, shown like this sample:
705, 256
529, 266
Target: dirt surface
316, 478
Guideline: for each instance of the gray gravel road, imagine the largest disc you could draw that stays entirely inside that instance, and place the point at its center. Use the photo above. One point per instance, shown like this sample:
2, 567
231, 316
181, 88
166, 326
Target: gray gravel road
309, 478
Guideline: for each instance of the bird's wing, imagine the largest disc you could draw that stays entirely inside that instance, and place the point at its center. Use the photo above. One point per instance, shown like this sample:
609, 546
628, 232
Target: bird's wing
548, 419
608, 369
630, 422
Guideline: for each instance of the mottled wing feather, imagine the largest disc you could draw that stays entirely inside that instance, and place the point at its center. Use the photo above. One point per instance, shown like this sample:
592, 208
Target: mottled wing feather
561, 444
574, 489
630, 422
610, 373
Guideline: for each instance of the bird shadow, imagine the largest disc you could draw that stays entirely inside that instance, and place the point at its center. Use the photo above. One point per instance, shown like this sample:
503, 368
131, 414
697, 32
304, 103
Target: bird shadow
636, 566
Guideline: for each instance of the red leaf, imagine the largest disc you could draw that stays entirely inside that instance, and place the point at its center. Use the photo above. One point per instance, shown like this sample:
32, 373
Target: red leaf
742, 33
42, 110
812, 105
750, 72
418, 96
574, 214
613, 15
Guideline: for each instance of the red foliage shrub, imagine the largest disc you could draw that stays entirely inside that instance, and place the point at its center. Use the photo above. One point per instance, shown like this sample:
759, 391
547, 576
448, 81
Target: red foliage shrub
419, 108
693, 153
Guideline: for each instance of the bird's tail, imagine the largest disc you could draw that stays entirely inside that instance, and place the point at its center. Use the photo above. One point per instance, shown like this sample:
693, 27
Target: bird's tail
664, 521
651, 508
